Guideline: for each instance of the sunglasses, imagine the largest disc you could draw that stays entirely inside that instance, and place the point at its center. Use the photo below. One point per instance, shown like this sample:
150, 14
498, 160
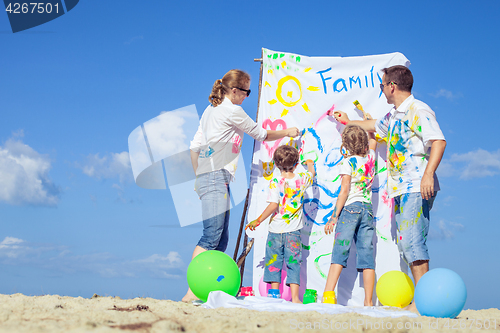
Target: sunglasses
383, 85
247, 91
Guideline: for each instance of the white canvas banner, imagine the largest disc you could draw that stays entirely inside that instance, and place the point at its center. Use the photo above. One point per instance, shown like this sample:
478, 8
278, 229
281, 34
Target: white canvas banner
298, 91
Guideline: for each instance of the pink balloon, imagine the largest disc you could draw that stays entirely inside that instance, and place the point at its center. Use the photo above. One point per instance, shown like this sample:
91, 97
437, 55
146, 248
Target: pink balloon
285, 291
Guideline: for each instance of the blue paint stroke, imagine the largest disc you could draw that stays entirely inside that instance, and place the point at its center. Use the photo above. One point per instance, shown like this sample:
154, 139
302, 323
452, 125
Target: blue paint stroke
380, 79
353, 162
318, 204
327, 191
315, 135
220, 278
377, 189
327, 217
330, 165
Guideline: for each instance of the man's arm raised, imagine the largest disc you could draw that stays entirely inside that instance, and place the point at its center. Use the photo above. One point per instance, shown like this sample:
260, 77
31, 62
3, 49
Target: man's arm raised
367, 125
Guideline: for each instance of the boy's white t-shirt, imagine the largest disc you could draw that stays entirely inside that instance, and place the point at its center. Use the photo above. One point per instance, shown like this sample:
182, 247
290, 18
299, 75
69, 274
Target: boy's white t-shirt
362, 171
289, 195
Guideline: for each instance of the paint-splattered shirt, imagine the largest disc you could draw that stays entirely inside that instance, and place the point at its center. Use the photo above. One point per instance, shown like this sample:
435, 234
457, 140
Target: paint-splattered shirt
289, 195
362, 171
410, 130
220, 136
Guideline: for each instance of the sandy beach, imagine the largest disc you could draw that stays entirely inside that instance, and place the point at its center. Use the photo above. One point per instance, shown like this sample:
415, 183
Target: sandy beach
52, 313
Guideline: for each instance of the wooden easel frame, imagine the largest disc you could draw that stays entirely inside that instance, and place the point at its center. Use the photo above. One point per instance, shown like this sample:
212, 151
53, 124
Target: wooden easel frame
247, 246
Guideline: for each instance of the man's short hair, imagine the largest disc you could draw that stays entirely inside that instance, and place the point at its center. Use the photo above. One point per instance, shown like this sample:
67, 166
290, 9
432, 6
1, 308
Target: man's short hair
400, 75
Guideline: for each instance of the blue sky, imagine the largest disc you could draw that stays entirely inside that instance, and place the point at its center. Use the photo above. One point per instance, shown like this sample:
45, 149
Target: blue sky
72, 220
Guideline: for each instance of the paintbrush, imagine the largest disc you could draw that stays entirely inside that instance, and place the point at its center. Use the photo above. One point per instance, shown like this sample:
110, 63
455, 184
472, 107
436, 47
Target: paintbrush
358, 105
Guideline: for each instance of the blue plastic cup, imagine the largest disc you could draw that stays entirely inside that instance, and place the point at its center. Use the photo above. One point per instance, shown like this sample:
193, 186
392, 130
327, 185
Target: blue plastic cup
274, 293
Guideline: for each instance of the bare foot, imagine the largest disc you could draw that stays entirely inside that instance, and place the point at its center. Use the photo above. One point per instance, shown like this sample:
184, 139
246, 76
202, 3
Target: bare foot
370, 303
296, 301
189, 297
412, 307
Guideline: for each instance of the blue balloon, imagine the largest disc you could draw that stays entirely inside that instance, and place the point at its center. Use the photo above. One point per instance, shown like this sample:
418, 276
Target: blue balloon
440, 293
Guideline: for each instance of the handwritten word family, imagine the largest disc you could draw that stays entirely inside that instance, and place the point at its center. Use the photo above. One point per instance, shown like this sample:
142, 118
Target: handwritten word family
349, 83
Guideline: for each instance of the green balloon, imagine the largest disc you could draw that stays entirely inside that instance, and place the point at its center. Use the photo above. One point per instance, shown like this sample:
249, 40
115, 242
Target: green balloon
213, 270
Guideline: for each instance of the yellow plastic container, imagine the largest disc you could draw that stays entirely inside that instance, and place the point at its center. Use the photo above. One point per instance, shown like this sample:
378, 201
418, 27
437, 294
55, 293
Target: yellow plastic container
329, 297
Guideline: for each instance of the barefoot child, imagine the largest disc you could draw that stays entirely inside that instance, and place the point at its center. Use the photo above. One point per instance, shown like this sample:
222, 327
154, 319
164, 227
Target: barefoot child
353, 211
285, 202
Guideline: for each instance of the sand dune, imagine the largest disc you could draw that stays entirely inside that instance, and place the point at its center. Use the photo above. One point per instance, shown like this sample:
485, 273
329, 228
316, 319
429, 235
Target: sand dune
52, 313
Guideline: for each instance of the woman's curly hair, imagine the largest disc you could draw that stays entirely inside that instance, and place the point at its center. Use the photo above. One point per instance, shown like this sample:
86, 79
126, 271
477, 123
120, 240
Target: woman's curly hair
354, 141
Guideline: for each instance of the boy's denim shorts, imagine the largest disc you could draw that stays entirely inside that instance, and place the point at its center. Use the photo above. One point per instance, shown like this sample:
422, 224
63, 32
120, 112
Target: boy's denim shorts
412, 219
354, 223
285, 247
213, 190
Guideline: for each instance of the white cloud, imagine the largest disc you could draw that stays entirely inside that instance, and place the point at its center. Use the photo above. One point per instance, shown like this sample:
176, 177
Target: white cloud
166, 135
446, 169
18, 250
444, 230
24, 175
446, 94
158, 265
109, 166
15, 251
10, 247
474, 164
171, 260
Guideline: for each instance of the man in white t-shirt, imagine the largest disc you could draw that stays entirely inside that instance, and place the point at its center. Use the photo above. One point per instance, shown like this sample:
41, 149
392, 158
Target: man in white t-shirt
415, 146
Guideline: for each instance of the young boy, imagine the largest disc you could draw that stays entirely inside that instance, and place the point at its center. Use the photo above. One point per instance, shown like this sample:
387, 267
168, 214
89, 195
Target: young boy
285, 203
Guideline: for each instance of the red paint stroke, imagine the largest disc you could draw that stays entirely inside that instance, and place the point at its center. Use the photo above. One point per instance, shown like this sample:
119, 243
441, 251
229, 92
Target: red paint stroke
388, 202
323, 116
370, 167
273, 269
343, 122
236, 144
273, 125
330, 110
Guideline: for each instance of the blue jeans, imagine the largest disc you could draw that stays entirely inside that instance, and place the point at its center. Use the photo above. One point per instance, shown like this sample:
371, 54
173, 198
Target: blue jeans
283, 247
213, 190
412, 218
355, 222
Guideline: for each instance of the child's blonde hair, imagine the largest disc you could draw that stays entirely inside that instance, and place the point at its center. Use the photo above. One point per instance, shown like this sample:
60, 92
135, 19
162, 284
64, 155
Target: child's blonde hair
354, 141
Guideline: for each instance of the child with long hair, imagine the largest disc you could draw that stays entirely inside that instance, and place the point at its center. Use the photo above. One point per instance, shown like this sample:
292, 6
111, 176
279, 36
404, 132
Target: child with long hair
353, 213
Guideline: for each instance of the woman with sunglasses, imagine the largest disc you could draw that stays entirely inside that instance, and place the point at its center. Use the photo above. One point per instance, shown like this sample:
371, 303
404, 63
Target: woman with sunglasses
214, 154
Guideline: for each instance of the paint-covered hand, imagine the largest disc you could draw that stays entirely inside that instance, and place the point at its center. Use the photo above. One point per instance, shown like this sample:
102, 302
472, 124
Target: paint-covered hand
293, 132
304, 157
341, 117
330, 225
367, 116
252, 225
